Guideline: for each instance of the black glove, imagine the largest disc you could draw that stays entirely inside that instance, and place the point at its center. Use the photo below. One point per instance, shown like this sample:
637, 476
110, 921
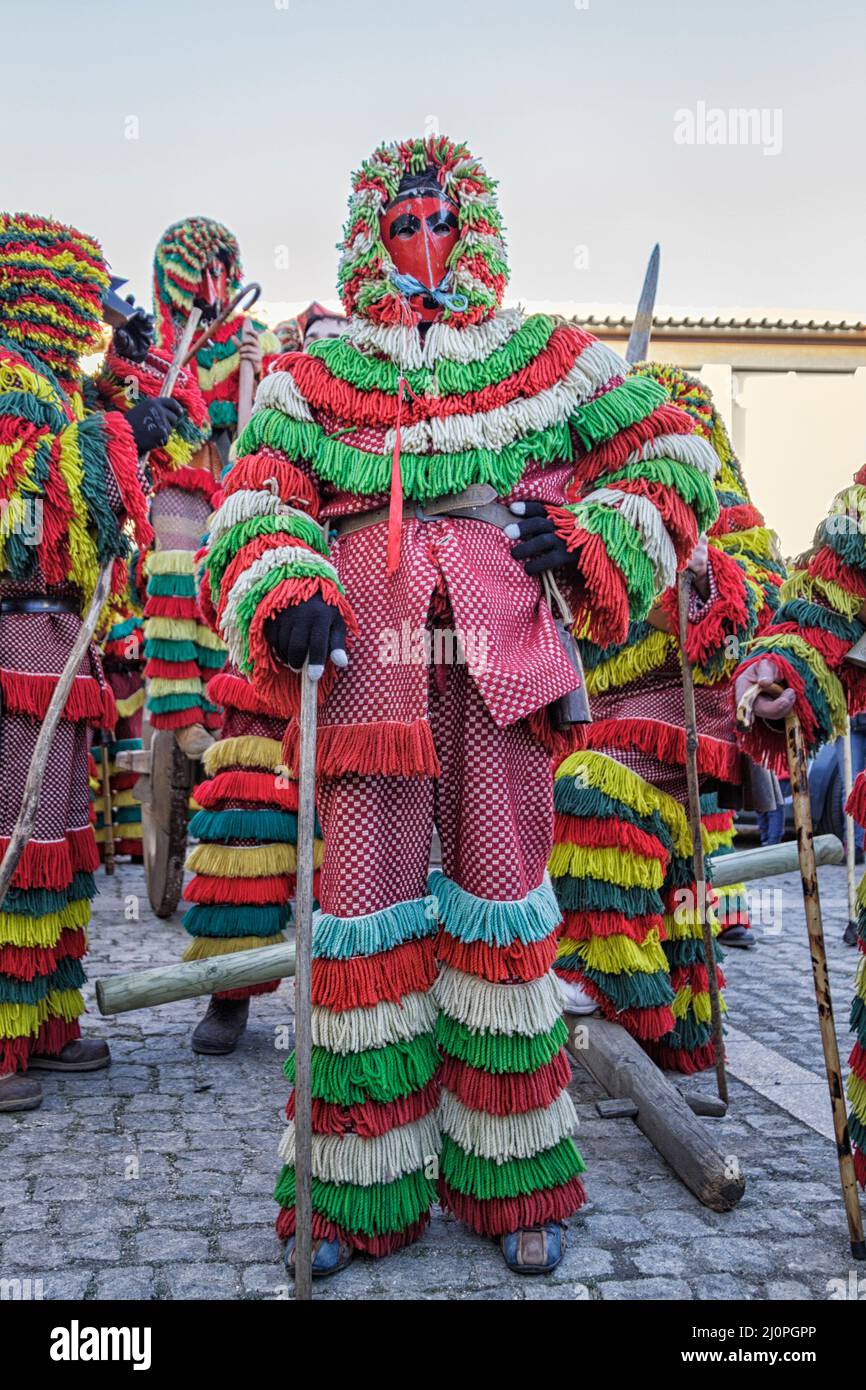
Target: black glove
539, 548
312, 630
152, 421
133, 338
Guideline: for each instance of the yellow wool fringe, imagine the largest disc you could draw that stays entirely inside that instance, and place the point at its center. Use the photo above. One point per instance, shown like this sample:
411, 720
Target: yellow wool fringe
126, 708
172, 629
171, 562
631, 663
231, 861
599, 771
203, 947
685, 923
247, 751
700, 1004
612, 865
17, 930
161, 685
617, 955
205, 638
856, 1089
801, 584
23, 1020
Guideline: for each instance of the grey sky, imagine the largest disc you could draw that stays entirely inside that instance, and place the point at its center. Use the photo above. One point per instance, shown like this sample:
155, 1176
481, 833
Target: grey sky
256, 112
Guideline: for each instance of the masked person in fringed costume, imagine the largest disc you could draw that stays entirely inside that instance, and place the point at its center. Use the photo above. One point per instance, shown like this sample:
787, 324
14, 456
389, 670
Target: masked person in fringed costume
246, 821
822, 614
622, 863
72, 495
367, 513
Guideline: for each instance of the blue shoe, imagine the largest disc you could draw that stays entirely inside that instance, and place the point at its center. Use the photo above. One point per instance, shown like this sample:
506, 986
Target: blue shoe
329, 1257
534, 1249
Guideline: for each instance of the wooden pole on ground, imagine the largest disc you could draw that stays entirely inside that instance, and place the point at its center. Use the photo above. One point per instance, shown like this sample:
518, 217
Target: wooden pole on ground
691, 728
798, 771
33, 786
303, 972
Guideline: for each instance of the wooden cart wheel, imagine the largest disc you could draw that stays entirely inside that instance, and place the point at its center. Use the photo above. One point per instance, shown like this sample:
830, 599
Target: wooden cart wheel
164, 821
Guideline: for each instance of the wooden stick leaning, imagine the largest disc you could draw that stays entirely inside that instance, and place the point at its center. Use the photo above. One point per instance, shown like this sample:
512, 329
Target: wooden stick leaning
33, 786
246, 377
303, 972
798, 773
850, 846
107, 819
691, 727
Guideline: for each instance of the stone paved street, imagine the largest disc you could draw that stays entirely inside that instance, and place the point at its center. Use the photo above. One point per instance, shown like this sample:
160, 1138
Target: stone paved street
153, 1180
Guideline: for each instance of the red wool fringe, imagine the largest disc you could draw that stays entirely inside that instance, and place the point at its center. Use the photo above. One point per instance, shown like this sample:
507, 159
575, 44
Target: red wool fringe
27, 962
582, 926
123, 457
207, 888
27, 692
178, 719
613, 453
388, 750
826, 564
260, 788
741, 517
279, 687
666, 743
373, 1118
507, 1094
249, 553
518, 961
718, 823
677, 517
377, 1246
499, 1216
608, 833
255, 471
188, 479
857, 1061
170, 606
860, 1166
171, 670
363, 981
676, 1059
725, 617
856, 804
601, 595
228, 688
269, 987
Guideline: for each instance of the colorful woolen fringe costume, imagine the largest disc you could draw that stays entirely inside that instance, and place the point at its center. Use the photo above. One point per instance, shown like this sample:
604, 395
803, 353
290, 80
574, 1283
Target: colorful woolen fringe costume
69, 486
622, 862
123, 663
821, 616
438, 1041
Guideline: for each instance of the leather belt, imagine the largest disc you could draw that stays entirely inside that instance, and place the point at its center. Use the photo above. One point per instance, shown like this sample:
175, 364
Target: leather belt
40, 605
479, 502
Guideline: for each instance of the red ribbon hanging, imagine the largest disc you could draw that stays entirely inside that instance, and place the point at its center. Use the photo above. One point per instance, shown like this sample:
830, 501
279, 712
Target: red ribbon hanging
395, 501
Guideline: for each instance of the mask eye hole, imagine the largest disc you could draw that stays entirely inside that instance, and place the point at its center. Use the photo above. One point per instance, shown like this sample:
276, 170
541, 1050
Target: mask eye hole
405, 226
442, 224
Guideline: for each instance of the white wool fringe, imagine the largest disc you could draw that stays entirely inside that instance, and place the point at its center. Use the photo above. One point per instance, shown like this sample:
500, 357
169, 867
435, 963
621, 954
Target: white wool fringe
359, 1030
682, 448
471, 344
645, 516
502, 1137
363, 1162
519, 1008
280, 391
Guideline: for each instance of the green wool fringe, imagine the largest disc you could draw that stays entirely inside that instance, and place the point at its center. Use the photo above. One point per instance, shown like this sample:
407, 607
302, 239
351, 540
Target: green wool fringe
484, 1178
232, 919
38, 902
624, 405
164, 649
376, 1210
500, 1053
300, 528
264, 826
171, 585
595, 895
694, 487
381, 1074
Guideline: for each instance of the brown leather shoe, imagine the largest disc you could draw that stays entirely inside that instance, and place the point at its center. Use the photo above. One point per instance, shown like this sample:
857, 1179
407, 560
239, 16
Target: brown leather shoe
222, 1027
83, 1054
534, 1249
329, 1257
18, 1091
194, 740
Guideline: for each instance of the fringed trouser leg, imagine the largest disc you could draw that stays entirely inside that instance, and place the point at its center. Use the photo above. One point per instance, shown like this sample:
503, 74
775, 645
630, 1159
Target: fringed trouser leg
128, 690
246, 825
622, 870
508, 1158
732, 906
46, 911
182, 653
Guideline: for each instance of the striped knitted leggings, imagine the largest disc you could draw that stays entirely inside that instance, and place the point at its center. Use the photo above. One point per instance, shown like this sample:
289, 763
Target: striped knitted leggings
623, 873
438, 1067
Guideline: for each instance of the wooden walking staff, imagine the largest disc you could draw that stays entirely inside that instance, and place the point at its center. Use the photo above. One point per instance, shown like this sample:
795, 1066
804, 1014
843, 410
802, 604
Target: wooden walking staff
798, 773
303, 972
33, 786
684, 581
107, 820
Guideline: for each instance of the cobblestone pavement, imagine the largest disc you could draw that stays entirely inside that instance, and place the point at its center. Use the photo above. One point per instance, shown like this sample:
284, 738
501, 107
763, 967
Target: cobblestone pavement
154, 1179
